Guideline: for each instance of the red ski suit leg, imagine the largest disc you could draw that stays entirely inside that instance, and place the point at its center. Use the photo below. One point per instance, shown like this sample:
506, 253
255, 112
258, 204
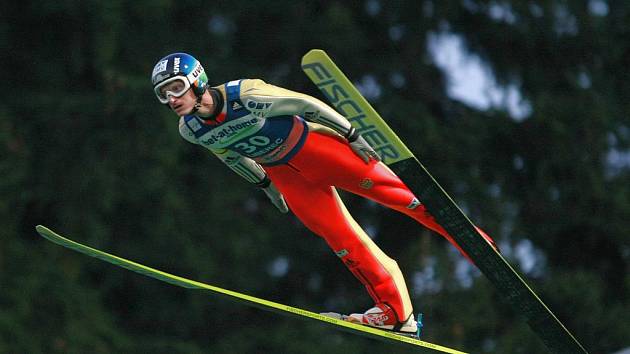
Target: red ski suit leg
307, 183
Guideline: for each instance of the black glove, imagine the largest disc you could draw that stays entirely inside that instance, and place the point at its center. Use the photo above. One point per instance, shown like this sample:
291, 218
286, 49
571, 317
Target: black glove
274, 195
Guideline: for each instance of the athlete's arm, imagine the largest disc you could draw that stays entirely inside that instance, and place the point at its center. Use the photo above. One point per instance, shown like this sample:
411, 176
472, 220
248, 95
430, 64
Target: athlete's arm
243, 166
253, 173
268, 100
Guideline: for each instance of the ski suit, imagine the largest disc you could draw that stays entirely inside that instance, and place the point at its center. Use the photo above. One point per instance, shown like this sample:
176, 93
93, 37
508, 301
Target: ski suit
296, 140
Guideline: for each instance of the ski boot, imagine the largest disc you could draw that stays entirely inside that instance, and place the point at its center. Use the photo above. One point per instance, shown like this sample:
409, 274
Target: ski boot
382, 316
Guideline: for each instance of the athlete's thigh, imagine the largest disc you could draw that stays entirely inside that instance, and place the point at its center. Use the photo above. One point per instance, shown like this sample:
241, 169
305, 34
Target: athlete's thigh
327, 160
313, 203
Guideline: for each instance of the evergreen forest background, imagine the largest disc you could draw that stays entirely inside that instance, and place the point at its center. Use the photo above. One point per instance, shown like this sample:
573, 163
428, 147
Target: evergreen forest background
86, 149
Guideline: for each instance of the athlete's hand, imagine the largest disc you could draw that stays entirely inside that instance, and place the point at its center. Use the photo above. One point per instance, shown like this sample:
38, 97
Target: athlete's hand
361, 147
276, 197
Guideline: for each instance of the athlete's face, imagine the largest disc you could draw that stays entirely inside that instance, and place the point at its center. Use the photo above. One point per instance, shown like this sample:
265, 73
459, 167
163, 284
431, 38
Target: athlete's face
183, 104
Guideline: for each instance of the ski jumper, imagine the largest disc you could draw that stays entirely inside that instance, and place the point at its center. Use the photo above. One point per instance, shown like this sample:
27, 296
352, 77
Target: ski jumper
296, 140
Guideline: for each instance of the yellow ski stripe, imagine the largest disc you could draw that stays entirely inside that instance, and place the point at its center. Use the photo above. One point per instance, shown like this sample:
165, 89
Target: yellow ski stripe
251, 300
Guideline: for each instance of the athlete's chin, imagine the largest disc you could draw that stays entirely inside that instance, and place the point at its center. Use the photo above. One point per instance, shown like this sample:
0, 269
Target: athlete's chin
180, 110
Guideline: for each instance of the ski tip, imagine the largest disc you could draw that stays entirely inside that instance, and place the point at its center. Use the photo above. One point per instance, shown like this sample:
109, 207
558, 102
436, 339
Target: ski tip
313, 53
45, 232
314, 50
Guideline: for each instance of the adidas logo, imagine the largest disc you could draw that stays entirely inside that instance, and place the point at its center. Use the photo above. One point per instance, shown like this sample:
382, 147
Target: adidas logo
414, 203
236, 106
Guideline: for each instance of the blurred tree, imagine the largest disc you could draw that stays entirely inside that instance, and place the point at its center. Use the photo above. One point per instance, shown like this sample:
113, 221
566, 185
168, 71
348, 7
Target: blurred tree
85, 148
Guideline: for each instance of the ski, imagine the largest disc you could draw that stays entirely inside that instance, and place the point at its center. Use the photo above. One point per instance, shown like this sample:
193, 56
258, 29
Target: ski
390, 337
347, 100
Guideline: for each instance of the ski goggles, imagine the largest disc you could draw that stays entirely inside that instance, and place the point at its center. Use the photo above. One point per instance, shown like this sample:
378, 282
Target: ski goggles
175, 86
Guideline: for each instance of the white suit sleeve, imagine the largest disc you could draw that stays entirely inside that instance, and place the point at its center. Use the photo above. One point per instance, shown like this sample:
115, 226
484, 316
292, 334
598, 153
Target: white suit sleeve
243, 166
267, 100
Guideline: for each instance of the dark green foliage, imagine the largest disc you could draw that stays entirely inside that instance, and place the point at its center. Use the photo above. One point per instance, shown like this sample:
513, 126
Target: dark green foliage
86, 149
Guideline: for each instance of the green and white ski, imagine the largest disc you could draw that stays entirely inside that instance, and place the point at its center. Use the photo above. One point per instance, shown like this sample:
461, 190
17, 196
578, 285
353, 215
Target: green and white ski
347, 100
390, 337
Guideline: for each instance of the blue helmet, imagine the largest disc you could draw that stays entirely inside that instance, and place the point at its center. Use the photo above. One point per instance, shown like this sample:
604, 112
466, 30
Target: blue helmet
179, 66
